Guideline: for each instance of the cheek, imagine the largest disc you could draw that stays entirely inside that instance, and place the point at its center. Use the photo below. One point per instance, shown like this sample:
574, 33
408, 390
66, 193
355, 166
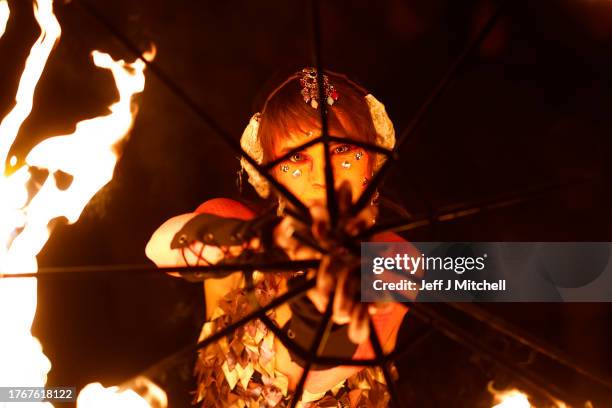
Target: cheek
355, 173
296, 185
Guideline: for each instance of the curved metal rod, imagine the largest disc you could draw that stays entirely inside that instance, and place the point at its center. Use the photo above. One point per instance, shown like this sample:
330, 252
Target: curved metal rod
380, 355
425, 108
330, 185
162, 365
521, 336
318, 344
460, 210
195, 107
530, 380
197, 273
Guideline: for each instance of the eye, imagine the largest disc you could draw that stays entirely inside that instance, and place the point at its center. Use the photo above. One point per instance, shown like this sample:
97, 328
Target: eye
297, 157
342, 149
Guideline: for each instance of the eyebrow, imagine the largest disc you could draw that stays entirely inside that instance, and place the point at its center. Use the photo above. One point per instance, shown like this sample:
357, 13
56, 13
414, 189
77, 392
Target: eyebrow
287, 149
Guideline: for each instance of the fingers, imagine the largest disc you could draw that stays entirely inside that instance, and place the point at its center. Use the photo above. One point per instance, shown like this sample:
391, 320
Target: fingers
318, 299
364, 220
320, 221
325, 278
285, 239
283, 233
344, 196
359, 327
347, 291
379, 307
342, 303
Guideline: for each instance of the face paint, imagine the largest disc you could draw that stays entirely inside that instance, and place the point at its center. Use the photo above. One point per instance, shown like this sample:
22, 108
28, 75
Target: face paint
305, 170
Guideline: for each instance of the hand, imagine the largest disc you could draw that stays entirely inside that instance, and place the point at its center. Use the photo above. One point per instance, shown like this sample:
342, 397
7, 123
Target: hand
339, 271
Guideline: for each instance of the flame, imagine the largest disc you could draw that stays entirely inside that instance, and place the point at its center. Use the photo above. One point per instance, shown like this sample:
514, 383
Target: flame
87, 158
512, 399
50, 32
94, 395
149, 395
4, 15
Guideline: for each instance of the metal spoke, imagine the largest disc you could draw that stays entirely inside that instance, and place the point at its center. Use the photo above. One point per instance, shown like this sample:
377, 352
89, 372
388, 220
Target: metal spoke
460, 210
182, 95
425, 108
531, 381
316, 348
521, 336
163, 365
200, 272
380, 356
330, 186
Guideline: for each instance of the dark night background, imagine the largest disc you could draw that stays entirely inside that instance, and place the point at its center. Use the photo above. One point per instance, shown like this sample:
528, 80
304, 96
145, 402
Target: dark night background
530, 110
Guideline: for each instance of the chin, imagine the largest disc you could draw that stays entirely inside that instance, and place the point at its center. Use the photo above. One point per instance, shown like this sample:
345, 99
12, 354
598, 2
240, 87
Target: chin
310, 202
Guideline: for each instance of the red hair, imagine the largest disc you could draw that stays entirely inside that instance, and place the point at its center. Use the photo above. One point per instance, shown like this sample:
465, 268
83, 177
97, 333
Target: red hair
285, 112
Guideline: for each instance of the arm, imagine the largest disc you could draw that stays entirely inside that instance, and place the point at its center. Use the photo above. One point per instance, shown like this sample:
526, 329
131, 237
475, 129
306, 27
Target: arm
159, 251
158, 248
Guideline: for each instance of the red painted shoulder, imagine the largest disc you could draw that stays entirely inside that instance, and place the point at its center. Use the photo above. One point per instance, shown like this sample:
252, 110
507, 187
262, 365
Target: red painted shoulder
387, 236
225, 207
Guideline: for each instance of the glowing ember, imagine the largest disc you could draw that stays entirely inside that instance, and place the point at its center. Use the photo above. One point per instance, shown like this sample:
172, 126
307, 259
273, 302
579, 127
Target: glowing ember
512, 399
88, 158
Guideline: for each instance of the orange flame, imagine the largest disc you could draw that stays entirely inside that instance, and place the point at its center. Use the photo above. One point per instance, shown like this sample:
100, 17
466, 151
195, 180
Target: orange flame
149, 396
513, 398
4, 15
86, 155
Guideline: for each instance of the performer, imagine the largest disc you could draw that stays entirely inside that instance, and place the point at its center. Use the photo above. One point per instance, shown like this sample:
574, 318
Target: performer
252, 367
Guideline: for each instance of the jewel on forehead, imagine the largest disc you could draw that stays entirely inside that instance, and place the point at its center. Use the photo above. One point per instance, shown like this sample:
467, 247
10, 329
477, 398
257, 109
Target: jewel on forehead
297, 173
284, 168
358, 155
346, 164
310, 88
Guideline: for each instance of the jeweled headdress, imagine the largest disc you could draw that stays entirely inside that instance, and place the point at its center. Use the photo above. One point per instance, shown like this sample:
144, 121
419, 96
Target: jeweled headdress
310, 88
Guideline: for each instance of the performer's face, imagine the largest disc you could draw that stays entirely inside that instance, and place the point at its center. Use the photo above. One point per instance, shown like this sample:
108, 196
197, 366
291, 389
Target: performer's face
304, 173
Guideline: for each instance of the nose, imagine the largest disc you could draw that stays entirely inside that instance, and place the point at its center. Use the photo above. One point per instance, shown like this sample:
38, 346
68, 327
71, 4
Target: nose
317, 173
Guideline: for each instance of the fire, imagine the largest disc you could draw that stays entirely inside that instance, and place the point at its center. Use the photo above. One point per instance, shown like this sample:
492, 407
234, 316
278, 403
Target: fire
512, 399
4, 15
149, 395
86, 158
